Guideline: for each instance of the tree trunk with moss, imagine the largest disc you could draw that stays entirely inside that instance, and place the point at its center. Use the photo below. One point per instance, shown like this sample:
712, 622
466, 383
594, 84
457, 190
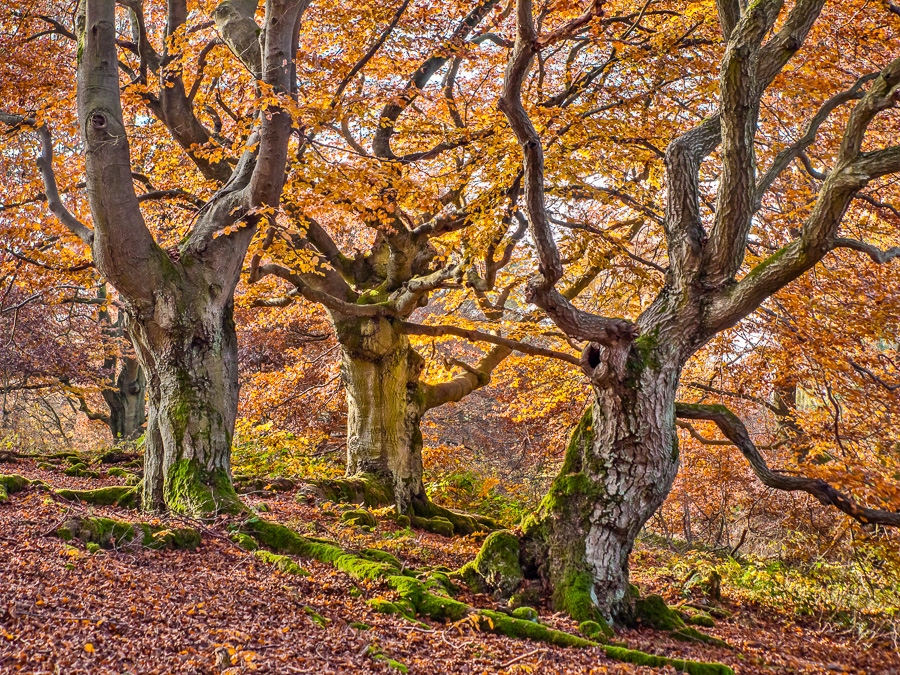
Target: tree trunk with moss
188, 348
619, 467
385, 404
179, 301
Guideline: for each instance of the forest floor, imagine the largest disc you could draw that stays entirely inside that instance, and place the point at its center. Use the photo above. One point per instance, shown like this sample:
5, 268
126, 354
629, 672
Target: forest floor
221, 609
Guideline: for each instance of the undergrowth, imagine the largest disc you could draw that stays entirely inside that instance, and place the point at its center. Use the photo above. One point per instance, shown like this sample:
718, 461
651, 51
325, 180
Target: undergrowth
859, 590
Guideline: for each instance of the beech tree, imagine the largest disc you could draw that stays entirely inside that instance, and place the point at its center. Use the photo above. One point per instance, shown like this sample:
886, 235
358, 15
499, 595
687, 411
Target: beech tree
623, 456
179, 300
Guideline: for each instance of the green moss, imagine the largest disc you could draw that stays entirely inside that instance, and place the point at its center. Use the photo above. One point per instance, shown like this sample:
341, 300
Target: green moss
383, 606
359, 517
367, 489
462, 523
437, 525
381, 556
495, 622
427, 598
690, 634
281, 562
116, 495
245, 541
81, 471
358, 625
574, 596
698, 618
526, 614
10, 484
596, 630
92, 547
118, 472
109, 533
653, 611
496, 567
642, 659
190, 489
315, 617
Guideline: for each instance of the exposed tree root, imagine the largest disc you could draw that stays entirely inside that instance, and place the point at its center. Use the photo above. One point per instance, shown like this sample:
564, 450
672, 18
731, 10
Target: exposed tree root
109, 533
125, 496
498, 569
427, 594
374, 491
262, 485
10, 484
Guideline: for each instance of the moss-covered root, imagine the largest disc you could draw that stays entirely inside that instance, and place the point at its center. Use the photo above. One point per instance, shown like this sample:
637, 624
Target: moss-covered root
496, 568
495, 622
367, 489
109, 533
430, 517
10, 484
124, 496
680, 665
653, 611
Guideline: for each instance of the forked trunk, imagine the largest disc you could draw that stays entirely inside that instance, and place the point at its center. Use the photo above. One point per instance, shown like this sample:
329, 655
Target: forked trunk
619, 467
385, 405
188, 349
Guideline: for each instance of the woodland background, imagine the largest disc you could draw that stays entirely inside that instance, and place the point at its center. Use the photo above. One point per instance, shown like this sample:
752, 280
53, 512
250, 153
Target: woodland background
814, 373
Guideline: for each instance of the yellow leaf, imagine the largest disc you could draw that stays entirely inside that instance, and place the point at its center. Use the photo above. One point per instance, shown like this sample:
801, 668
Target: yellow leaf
89, 648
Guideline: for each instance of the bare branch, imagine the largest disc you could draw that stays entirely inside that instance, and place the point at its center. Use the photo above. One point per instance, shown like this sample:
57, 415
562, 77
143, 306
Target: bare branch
875, 253
733, 429
478, 336
51, 190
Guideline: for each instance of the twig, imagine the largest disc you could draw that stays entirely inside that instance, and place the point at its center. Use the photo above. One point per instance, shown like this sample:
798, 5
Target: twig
523, 656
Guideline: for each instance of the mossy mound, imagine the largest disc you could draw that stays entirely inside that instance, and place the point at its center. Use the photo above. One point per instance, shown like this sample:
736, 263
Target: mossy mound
496, 568
116, 495
437, 525
359, 517
262, 485
367, 489
596, 630
697, 618
109, 533
12, 483
81, 470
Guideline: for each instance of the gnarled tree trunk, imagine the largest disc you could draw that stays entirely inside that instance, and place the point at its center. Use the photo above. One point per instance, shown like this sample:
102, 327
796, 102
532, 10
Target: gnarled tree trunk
619, 467
385, 404
188, 348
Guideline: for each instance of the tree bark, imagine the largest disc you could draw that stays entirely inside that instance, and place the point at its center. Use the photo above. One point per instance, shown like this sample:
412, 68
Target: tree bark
127, 402
385, 404
619, 467
188, 348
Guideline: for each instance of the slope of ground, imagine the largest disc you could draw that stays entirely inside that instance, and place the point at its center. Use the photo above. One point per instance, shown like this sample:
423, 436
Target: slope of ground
219, 609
